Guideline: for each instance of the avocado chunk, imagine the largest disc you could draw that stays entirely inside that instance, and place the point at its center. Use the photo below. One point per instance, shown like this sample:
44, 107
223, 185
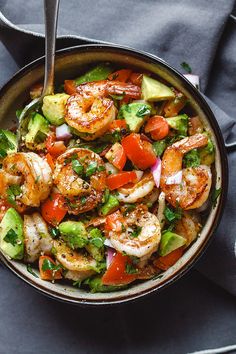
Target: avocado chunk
73, 233
207, 153
179, 123
99, 72
54, 108
96, 244
135, 114
38, 128
96, 286
153, 90
170, 242
8, 143
11, 234
111, 204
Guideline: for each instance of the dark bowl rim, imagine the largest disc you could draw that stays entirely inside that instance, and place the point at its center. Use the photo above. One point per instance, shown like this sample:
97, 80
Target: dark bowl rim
153, 59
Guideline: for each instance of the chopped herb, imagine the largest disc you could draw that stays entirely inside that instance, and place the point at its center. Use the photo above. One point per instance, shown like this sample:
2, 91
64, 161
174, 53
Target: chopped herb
91, 169
130, 269
172, 215
13, 191
117, 97
136, 231
11, 237
37, 179
55, 233
215, 196
192, 159
77, 167
101, 168
83, 200
77, 283
30, 270
123, 228
143, 111
105, 196
48, 265
186, 67
5, 144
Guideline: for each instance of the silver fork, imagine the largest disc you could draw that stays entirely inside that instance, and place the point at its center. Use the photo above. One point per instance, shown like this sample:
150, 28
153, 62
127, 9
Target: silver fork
51, 16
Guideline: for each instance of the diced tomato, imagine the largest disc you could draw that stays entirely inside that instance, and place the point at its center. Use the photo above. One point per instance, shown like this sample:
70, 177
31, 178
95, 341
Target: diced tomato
48, 274
136, 78
50, 161
125, 100
53, 209
116, 273
54, 148
120, 75
170, 259
70, 87
158, 127
116, 156
140, 152
118, 124
114, 222
120, 179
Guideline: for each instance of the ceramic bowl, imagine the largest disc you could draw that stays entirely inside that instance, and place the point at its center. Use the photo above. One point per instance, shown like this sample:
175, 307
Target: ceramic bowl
70, 63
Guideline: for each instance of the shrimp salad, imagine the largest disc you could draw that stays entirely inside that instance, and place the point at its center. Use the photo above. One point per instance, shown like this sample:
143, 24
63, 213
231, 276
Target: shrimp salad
110, 184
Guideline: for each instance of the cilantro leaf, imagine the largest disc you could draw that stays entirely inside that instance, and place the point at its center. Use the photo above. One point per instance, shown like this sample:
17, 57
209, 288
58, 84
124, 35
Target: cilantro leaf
186, 67
143, 111
130, 269
172, 215
77, 167
136, 231
13, 191
48, 265
30, 270
11, 237
192, 158
216, 193
91, 168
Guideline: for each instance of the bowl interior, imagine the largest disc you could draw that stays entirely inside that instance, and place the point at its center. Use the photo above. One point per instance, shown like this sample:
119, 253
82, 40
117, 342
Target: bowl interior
69, 64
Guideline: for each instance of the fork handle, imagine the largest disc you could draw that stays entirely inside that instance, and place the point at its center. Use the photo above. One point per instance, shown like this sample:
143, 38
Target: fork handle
51, 16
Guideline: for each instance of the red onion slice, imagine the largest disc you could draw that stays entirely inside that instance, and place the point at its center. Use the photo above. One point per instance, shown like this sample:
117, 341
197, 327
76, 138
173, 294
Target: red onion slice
63, 132
156, 171
111, 252
175, 179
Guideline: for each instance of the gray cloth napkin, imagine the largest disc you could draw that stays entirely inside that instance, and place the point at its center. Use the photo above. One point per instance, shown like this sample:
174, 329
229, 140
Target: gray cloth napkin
203, 34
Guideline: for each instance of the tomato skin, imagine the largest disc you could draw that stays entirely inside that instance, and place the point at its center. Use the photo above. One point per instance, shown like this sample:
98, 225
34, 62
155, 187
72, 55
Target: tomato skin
50, 161
120, 75
48, 274
116, 274
158, 127
4, 206
120, 179
70, 87
170, 259
117, 124
114, 222
136, 78
116, 156
53, 210
54, 148
139, 152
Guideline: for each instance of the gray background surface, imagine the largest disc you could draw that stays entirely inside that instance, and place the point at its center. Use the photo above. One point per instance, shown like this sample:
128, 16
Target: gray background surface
194, 313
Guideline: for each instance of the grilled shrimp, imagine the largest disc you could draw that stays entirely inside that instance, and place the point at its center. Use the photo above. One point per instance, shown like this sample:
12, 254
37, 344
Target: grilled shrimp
188, 226
37, 237
90, 115
141, 236
74, 186
78, 265
90, 111
137, 191
31, 173
196, 181
104, 88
